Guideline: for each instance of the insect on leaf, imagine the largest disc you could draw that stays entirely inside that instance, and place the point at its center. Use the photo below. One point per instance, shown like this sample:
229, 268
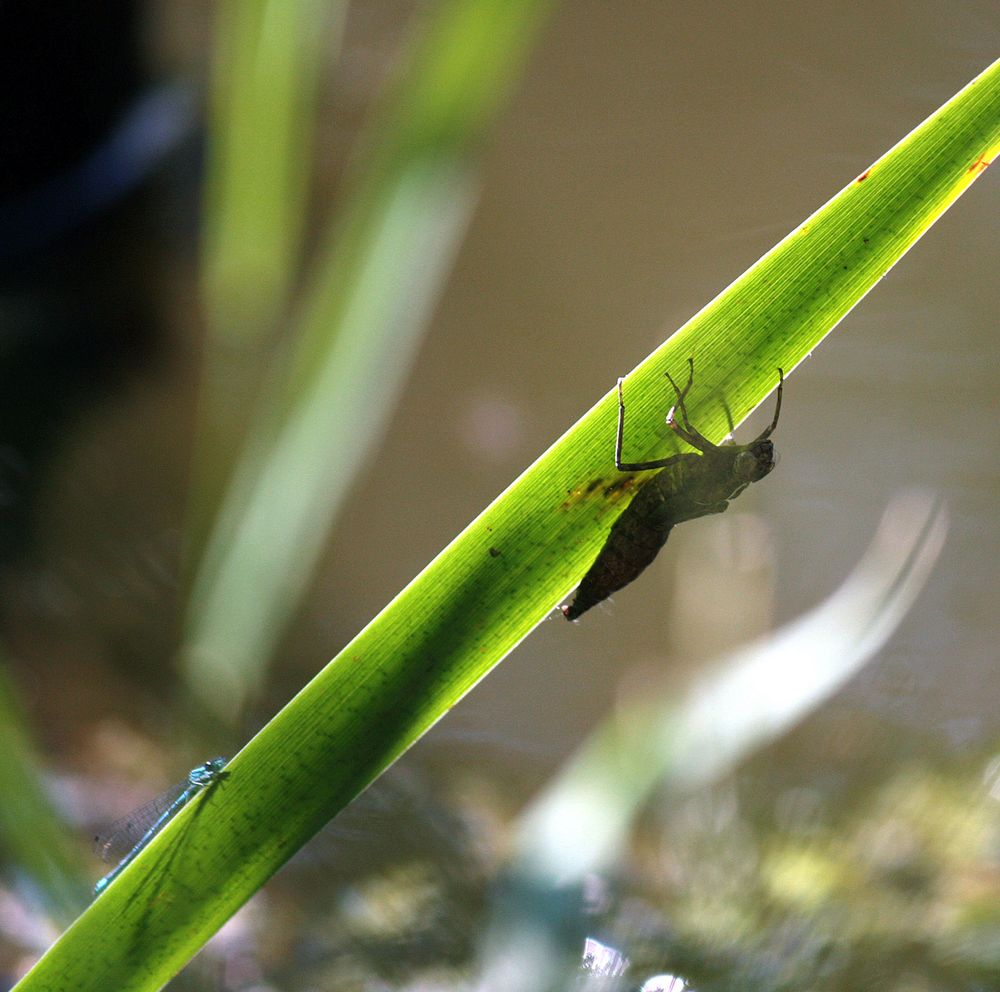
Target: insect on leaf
686, 486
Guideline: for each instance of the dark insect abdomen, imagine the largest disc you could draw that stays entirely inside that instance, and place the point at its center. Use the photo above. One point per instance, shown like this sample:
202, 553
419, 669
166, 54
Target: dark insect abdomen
633, 542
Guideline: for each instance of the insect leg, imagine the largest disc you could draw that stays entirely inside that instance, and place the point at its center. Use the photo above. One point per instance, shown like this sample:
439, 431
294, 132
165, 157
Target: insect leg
777, 408
729, 419
687, 432
630, 466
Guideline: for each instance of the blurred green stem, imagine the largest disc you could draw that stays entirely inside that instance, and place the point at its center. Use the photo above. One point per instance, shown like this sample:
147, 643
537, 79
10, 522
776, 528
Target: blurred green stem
365, 307
32, 834
268, 58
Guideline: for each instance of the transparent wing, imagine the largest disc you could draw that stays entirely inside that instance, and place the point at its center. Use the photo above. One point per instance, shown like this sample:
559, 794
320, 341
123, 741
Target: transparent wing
112, 844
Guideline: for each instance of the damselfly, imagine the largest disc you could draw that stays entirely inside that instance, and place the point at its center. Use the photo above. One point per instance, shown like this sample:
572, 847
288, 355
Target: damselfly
120, 841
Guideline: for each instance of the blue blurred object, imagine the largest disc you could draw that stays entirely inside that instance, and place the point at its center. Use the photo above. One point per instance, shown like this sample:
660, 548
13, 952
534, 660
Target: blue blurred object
154, 125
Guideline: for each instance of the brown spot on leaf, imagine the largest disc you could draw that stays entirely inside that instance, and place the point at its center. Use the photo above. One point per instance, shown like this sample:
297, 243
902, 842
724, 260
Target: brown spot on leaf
980, 165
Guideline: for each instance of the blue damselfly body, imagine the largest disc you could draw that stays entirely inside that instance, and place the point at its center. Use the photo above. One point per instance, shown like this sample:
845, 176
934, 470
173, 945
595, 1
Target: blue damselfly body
147, 821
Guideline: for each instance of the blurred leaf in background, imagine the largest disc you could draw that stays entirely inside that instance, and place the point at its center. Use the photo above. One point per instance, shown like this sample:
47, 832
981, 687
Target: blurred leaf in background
31, 831
355, 327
